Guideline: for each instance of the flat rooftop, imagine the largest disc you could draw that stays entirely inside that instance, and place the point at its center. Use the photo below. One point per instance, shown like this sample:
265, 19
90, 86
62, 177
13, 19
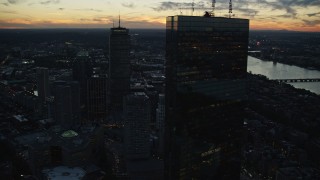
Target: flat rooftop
201, 23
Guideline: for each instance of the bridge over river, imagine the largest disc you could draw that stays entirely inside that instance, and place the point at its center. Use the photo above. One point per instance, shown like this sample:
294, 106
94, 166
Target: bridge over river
298, 80
298, 77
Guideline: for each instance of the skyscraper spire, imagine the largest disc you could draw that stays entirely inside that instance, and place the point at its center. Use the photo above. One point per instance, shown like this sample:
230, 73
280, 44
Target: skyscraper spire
119, 20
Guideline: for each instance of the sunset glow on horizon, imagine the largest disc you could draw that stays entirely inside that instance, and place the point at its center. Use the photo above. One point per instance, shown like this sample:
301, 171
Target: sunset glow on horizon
294, 15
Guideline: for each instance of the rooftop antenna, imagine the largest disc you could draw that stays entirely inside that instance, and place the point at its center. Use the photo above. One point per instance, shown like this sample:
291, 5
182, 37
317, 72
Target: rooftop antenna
230, 8
113, 23
119, 20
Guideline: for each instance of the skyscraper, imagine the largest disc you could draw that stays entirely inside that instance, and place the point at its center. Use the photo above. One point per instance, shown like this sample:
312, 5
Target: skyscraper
137, 122
82, 68
119, 66
42, 83
82, 71
97, 98
206, 62
66, 103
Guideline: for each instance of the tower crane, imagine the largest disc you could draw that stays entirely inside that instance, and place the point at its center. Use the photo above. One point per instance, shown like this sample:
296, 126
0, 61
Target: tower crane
230, 8
213, 6
193, 8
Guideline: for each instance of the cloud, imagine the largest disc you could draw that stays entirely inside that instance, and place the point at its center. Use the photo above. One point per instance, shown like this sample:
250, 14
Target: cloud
288, 15
290, 6
5, 4
15, 12
304, 3
169, 5
100, 19
50, 2
283, 4
280, 5
22, 24
313, 14
84, 19
106, 19
248, 12
89, 9
15, 1
61, 9
312, 22
128, 5
9, 12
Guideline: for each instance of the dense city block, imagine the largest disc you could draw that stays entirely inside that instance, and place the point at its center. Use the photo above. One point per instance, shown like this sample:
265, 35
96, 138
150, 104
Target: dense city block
67, 106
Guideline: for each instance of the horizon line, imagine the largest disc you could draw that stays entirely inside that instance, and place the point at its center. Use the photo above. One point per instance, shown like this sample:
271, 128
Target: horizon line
100, 28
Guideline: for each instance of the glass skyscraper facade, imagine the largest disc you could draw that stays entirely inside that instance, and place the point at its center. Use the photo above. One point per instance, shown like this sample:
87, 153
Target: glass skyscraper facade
206, 65
119, 66
97, 98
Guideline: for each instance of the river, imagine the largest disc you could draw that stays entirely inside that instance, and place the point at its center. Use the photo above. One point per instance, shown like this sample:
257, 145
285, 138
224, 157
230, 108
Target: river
284, 71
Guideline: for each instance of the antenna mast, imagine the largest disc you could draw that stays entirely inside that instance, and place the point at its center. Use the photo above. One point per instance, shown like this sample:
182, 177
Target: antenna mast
119, 20
230, 8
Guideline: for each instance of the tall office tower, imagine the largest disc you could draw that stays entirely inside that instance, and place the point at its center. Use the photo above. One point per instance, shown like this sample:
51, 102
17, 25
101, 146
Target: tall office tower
82, 68
42, 83
119, 66
97, 98
82, 71
206, 63
66, 103
136, 108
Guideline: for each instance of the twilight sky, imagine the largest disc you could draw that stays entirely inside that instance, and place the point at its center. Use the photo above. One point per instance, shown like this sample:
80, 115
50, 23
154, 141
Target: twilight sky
298, 15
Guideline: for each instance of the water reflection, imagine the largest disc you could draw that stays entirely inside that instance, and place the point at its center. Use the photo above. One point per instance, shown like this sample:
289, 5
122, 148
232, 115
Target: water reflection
282, 71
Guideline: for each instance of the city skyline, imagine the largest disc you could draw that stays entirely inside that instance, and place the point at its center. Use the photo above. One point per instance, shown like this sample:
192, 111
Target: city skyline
263, 14
205, 70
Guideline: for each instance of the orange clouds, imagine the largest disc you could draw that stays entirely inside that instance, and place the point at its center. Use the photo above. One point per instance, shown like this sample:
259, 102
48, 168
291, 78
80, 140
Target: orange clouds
139, 20
280, 25
97, 22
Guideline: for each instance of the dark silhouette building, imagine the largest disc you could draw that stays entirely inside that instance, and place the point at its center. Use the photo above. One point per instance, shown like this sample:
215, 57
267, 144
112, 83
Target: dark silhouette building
82, 71
119, 66
206, 64
43, 83
137, 125
97, 98
66, 103
82, 67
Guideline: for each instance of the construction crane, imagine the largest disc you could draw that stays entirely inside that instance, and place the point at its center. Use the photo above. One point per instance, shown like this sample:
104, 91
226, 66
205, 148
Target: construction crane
230, 8
193, 8
213, 6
